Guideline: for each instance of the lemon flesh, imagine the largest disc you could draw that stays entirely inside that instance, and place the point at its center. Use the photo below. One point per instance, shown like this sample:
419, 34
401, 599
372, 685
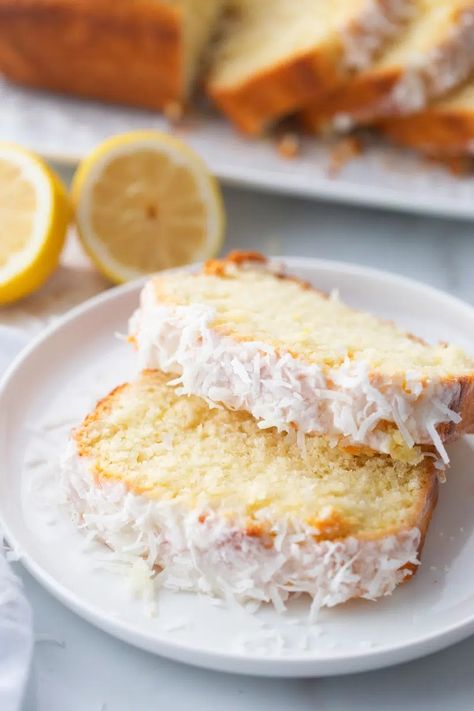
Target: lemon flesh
144, 202
34, 216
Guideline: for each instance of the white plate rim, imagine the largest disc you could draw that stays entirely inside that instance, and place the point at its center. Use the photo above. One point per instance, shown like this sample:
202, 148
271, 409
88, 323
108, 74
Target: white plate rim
294, 666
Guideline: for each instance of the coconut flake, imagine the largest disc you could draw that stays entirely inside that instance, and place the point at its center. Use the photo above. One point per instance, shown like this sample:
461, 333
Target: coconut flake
378, 22
280, 390
171, 547
437, 442
437, 71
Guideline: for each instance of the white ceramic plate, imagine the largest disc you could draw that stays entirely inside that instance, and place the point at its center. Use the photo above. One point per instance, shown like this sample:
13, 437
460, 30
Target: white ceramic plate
65, 129
58, 378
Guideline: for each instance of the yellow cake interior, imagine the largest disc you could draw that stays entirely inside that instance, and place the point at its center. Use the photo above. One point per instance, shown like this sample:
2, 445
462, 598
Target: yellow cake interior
268, 33
169, 447
256, 305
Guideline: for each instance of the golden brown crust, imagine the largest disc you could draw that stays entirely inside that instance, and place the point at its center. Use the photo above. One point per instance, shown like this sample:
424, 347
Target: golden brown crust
459, 166
425, 516
426, 511
275, 92
465, 406
103, 407
437, 131
128, 52
360, 98
333, 527
218, 267
427, 500
237, 258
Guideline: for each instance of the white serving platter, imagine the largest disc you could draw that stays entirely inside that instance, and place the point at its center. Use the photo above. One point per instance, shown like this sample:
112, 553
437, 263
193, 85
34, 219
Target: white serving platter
64, 129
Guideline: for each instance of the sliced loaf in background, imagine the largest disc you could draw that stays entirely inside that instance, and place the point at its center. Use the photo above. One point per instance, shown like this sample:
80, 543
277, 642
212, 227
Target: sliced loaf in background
140, 52
444, 128
275, 56
432, 56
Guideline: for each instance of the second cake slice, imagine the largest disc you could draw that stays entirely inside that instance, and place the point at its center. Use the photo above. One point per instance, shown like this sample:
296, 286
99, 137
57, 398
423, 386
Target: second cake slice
215, 505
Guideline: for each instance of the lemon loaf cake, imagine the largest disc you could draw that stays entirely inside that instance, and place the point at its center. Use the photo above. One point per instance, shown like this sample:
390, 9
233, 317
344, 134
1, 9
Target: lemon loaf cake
444, 128
433, 55
241, 334
142, 52
219, 506
274, 56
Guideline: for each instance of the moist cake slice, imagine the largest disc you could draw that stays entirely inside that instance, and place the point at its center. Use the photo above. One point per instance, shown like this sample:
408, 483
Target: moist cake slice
434, 54
241, 334
444, 128
142, 52
275, 56
222, 507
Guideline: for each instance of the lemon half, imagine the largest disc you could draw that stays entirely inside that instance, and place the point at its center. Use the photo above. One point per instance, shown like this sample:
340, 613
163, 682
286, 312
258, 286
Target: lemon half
34, 215
145, 201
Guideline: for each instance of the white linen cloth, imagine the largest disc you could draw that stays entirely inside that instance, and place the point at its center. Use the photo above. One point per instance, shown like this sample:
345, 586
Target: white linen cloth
16, 632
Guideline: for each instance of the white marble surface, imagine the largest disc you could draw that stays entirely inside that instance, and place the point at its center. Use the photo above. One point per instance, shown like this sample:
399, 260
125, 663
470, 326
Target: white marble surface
83, 669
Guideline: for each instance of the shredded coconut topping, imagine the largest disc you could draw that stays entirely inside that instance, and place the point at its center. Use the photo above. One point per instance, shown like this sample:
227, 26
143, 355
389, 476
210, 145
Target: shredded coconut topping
427, 76
208, 554
283, 392
439, 71
380, 21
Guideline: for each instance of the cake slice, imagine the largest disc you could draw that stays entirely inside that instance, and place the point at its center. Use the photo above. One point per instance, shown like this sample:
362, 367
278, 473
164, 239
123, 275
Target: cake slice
444, 128
222, 507
242, 334
432, 56
275, 56
142, 52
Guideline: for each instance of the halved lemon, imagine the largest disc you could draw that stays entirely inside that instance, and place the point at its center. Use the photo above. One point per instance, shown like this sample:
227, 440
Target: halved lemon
145, 201
34, 215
